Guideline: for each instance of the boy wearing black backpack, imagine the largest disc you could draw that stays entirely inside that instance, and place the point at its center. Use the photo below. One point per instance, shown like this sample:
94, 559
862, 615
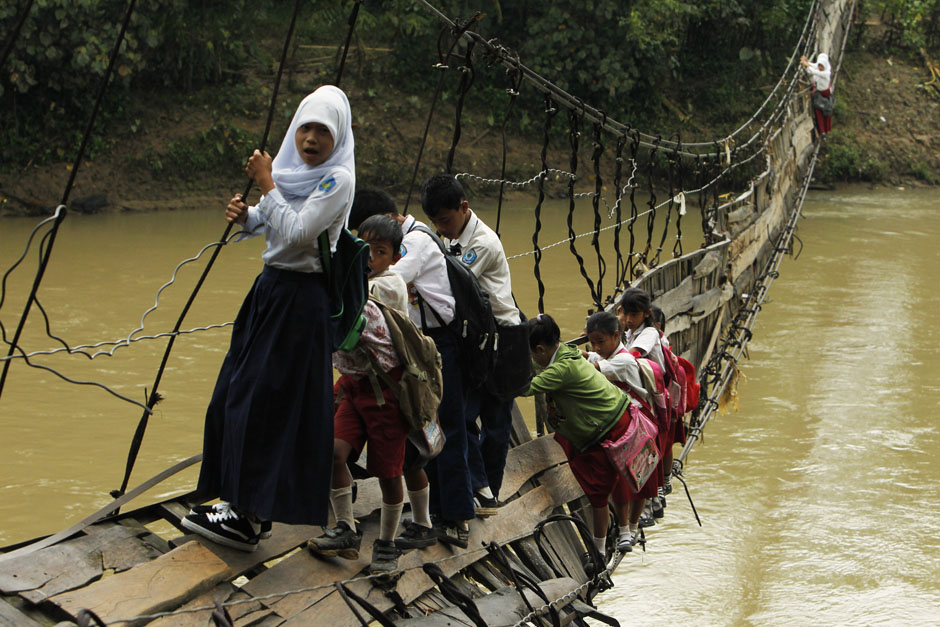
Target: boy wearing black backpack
479, 248
432, 307
368, 410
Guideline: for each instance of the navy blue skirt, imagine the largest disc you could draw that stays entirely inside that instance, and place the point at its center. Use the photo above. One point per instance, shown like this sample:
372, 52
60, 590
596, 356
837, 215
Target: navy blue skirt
268, 443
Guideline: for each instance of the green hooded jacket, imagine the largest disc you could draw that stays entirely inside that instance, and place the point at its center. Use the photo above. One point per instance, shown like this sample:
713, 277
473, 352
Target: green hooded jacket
586, 404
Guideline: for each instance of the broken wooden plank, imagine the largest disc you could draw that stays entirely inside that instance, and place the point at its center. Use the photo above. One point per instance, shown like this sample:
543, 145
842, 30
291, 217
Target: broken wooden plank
10, 616
502, 608
160, 585
513, 521
65, 566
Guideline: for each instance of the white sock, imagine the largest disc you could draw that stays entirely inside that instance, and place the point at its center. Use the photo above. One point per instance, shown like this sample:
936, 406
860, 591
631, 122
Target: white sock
624, 532
420, 500
341, 499
634, 527
388, 522
601, 544
485, 492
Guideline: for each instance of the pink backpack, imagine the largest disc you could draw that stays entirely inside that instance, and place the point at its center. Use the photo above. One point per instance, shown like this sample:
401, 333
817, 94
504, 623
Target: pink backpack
657, 390
681, 383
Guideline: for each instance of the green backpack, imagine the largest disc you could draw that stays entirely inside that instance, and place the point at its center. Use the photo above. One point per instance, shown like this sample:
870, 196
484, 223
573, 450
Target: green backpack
347, 274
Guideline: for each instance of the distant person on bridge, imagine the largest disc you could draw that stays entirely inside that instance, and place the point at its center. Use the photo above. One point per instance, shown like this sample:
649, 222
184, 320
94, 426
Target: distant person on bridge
821, 73
267, 448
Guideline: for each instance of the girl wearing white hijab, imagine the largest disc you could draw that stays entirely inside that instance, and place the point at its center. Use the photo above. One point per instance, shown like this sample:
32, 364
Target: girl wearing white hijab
267, 449
821, 73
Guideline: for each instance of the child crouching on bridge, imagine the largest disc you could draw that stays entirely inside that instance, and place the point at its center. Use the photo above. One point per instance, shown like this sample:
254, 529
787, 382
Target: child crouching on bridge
612, 359
585, 409
362, 416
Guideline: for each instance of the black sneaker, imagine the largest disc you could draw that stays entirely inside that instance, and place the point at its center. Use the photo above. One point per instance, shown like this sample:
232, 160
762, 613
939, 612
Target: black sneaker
667, 486
384, 556
225, 525
416, 536
657, 508
647, 520
449, 533
486, 507
339, 540
205, 509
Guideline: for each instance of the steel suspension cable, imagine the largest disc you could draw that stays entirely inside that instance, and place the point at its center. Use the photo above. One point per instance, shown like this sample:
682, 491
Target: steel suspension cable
550, 111
60, 215
574, 139
154, 397
595, 202
15, 34
515, 79
458, 30
467, 75
352, 27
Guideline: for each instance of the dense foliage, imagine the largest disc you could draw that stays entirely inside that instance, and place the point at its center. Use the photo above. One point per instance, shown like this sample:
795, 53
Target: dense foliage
57, 63
638, 60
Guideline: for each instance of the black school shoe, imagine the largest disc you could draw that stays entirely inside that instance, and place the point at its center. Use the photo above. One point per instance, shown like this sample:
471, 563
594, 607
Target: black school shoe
657, 507
339, 540
448, 532
486, 507
225, 525
218, 507
384, 557
416, 536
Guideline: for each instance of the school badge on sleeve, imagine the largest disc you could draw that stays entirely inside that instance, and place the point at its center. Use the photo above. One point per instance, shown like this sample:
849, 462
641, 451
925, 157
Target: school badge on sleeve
327, 184
469, 257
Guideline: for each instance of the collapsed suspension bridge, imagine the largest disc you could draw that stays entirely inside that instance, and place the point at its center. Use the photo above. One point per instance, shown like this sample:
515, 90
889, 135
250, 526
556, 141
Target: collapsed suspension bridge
747, 188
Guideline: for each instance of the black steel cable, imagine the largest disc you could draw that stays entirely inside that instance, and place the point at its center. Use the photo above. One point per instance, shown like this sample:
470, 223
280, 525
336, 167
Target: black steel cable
60, 215
352, 27
144, 419
15, 33
467, 75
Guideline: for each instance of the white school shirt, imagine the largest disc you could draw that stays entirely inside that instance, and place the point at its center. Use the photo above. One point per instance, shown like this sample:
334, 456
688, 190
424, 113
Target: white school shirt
482, 252
620, 367
390, 289
292, 224
646, 340
423, 268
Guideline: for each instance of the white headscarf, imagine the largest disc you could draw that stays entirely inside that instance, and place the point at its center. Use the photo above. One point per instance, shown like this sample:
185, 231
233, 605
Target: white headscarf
328, 106
823, 76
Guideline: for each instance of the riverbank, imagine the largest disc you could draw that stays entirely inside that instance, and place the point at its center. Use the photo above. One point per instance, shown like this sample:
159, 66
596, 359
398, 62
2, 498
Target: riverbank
174, 153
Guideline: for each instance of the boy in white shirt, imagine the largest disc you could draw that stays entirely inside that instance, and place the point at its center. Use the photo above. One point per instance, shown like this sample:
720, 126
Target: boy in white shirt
367, 411
479, 248
424, 270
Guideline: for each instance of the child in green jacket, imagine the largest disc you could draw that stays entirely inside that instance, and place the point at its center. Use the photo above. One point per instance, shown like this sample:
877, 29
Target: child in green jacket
585, 408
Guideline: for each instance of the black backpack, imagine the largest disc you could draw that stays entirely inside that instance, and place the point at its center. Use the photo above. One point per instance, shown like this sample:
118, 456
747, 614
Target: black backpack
474, 326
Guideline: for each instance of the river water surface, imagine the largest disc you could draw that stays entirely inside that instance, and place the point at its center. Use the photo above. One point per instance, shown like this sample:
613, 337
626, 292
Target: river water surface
818, 494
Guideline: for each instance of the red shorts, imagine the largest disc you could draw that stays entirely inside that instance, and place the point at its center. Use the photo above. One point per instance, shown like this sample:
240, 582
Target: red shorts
360, 419
597, 476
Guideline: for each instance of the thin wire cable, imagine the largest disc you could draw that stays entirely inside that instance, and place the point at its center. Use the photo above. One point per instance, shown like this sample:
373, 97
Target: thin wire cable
142, 424
60, 215
15, 34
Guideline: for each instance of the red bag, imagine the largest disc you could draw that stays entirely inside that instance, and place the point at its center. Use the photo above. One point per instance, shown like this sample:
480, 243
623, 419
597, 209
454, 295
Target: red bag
635, 454
692, 384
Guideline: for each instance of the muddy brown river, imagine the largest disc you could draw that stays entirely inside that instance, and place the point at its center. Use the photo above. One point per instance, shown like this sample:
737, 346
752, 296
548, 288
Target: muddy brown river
819, 489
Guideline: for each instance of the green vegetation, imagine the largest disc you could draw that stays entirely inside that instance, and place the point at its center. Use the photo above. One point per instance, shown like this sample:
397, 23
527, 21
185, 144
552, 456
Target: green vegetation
641, 61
